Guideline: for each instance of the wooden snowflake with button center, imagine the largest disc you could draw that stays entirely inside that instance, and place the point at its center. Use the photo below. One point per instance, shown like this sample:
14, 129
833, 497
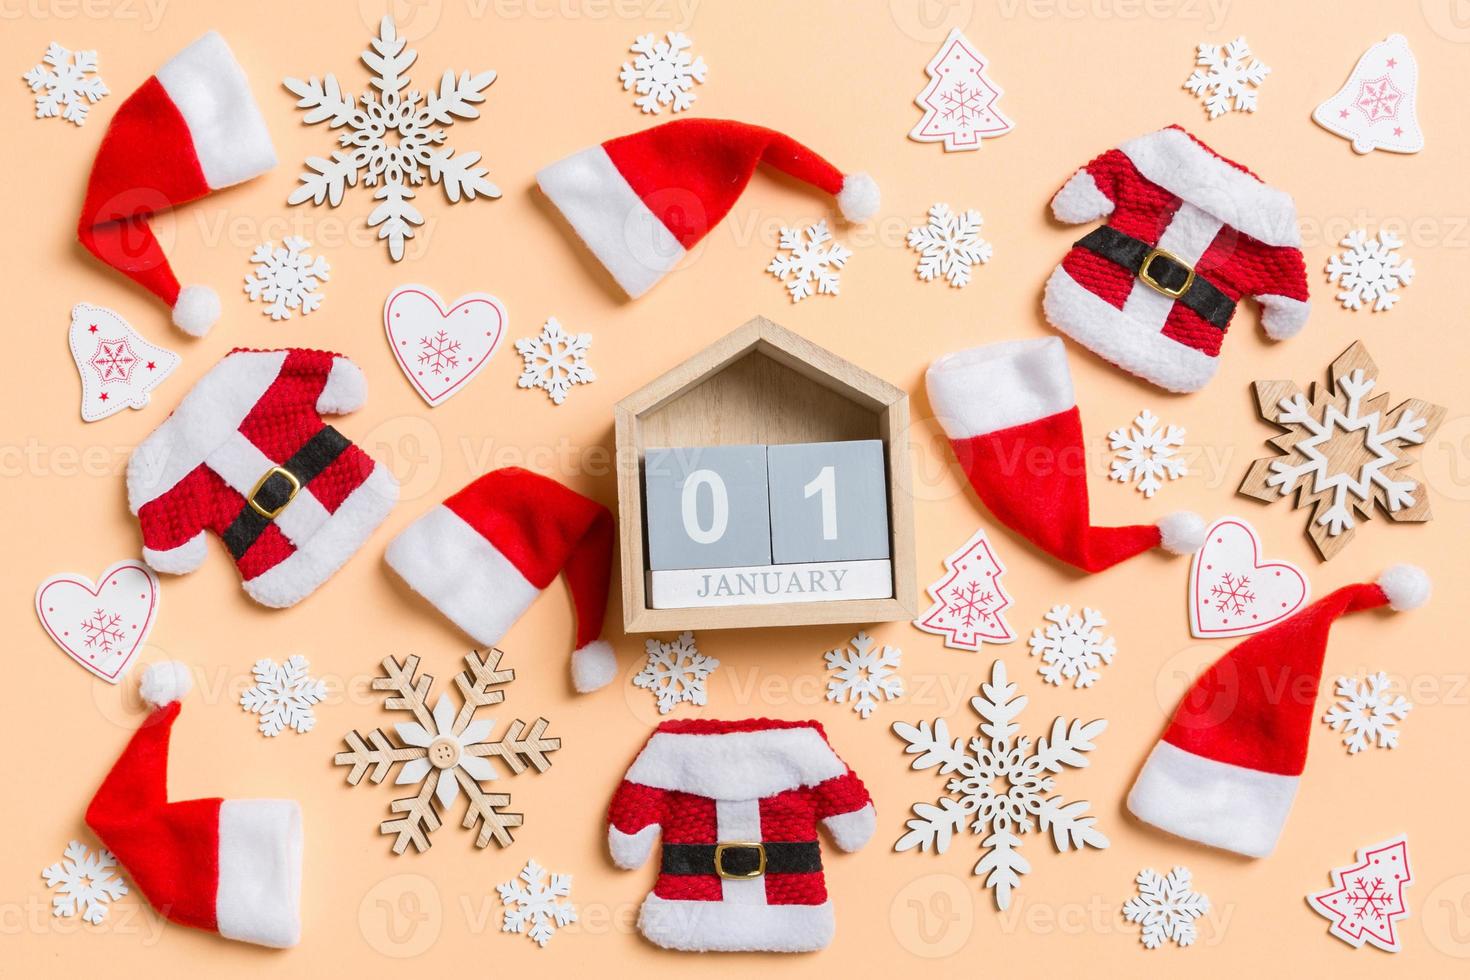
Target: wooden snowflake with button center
446, 751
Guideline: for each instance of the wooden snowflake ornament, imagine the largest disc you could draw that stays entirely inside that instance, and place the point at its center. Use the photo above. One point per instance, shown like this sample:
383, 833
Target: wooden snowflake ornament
1344, 451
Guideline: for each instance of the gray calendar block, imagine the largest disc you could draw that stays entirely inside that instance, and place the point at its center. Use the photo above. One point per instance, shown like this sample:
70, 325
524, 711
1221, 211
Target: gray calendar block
706, 507
829, 501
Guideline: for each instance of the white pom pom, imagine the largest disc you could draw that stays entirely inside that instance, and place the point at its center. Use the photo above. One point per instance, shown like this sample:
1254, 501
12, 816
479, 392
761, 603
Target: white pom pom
1407, 586
593, 666
859, 198
197, 310
1182, 532
166, 682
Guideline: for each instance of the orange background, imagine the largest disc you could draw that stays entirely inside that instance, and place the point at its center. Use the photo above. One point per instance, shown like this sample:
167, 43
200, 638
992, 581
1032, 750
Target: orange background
1079, 76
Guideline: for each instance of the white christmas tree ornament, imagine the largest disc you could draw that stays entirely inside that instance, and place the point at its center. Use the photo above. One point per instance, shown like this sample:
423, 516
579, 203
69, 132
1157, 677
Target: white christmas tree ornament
959, 102
118, 367
1376, 106
968, 602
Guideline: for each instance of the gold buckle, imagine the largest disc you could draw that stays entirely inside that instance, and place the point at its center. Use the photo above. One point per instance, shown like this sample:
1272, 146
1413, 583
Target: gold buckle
1150, 281
720, 850
270, 515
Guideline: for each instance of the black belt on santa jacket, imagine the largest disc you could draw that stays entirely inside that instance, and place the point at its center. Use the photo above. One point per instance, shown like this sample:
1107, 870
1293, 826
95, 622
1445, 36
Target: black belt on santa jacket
279, 485
742, 859
1163, 272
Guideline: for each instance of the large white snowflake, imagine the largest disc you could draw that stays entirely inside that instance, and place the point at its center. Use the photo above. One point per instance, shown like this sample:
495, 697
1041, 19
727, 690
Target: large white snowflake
535, 907
663, 73
1073, 647
1370, 270
864, 674
949, 245
1227, 78
1166, 907
392, 138
675, 672
283, 695
1000, 786
812, 260
88, 883
1367, 713
287, 278
1147, 453
66, 84
554, 361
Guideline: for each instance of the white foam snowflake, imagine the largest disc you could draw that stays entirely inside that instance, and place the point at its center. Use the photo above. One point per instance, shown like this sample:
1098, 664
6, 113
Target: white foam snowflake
675, 672
1370, 270
1227, 78
283, 696
392, 138
287, 278
1073, 647
812, 260
1367, 713
66, 84
864, 674
949, 245
1000, 786
1166, 907
534, 908
663, 73
88, 883
1147, 453
554, 361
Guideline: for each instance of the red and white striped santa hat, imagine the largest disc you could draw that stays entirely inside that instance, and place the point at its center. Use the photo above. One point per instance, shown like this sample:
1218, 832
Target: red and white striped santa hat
642, 201
190, 129
226, 866
1226, 771
484, 555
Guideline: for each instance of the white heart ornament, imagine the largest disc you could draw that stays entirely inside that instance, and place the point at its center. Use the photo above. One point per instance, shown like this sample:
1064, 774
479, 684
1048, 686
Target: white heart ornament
101, 625
1233, 591
441, 348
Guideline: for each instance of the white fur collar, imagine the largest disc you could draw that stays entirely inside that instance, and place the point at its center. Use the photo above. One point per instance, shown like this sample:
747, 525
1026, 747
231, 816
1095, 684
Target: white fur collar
736, 765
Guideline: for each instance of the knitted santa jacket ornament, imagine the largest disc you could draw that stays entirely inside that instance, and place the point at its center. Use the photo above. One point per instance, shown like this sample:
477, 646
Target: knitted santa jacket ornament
1188, 234
1228, 766
484, 555
1013, 423
737, 804
226, 866
191, 129
247, 456
641, 202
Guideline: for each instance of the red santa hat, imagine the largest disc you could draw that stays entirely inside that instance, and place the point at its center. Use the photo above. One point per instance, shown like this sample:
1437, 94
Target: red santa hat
484, 555
1013, 423
227, 866
1226, 771
642, 201
190, 129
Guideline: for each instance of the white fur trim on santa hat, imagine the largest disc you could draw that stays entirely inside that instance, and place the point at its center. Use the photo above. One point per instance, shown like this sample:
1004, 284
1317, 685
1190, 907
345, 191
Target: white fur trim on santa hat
630, 851
985, 389
1407, 587
259, 872
208, 87
859, 198
164, 683
1080, 200
1182, 532
196, 310
736, 765
593, 666
729, 927
853, 829
345, 390
1283, 317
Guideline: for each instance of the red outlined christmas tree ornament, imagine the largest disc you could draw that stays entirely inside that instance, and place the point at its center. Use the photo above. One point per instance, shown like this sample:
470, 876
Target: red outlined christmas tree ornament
1367, 901
101, 625
1375, 108
118, 367
968, 602
1233, 591
959, 102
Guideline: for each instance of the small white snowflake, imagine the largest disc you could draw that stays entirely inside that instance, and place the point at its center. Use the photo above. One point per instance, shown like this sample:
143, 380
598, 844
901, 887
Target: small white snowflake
663, 73
1073, 647
675, 672
809, 262
1367, 713
287, 278
1147, 453
66, 84
1228, 79
864, 674
283, 695
88, 882
554, 361
1166, 907
534, 908
1370, 270
949, 245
